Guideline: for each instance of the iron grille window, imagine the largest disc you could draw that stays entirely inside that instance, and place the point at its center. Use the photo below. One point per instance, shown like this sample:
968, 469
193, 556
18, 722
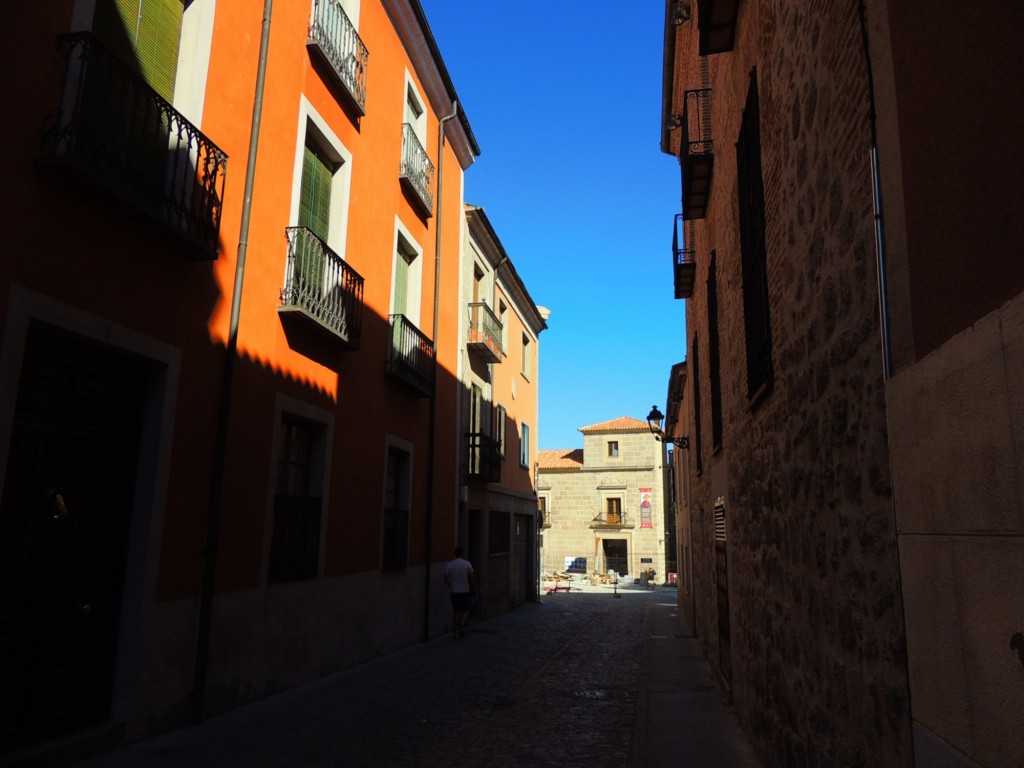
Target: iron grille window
713, 361
750, 183
295, 539
395, 536
500, 416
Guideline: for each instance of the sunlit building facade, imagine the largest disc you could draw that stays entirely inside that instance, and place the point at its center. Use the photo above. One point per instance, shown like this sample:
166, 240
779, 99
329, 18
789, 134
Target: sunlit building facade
499, 420
230, 446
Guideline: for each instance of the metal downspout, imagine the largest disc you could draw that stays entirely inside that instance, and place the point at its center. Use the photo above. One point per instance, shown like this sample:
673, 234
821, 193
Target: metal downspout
202, 652
883, 309
876, 200
428, 535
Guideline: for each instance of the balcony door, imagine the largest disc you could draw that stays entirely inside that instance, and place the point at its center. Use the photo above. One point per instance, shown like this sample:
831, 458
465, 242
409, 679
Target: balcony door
145, 35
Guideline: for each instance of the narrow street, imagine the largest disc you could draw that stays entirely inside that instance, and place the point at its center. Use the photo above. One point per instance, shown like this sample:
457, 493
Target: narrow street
581, 679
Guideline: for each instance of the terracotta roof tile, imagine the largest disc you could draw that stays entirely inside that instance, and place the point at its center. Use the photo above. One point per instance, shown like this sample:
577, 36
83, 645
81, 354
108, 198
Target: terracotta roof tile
621, 424
563, 458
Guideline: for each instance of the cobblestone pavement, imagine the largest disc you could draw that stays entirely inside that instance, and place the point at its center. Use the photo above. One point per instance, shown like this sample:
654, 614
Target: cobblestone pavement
550, 684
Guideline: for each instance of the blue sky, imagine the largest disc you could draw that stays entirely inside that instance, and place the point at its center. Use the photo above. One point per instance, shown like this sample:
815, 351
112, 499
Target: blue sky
564, 98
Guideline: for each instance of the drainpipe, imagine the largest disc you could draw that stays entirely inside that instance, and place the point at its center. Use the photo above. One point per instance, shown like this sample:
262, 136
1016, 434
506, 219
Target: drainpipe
876, 200
202, 652
883, 308
428, 537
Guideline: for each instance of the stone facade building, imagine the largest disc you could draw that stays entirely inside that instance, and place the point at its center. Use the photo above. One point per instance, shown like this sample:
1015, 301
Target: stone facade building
854, 375
604, 505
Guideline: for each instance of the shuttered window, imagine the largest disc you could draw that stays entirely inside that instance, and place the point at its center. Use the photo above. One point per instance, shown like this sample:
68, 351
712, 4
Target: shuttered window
315, 199
145, 34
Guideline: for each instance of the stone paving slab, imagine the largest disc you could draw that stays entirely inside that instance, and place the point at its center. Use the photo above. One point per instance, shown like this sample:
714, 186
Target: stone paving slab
580, 679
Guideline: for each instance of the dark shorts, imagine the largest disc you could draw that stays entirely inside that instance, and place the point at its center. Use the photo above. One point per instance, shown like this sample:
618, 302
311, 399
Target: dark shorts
462, 601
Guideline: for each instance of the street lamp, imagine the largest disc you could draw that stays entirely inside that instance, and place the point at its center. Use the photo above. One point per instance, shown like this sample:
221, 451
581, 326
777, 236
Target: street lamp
654, 419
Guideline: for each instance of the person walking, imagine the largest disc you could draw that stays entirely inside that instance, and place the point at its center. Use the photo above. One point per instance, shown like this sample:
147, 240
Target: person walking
458, 575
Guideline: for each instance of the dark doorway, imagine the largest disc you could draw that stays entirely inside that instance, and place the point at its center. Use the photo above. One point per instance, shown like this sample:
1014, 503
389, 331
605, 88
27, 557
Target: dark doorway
65, 516
616, 556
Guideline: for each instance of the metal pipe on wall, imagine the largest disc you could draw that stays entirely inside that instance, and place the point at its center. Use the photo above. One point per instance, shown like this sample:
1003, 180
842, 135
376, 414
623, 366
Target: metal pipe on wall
429, 522
202, 652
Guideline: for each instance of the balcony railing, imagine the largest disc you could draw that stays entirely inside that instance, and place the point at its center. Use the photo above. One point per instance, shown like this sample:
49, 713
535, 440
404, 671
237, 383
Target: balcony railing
333, 37
716, 24
696, 155
115, 130
484, 332
684, 264
411, 358
320, 288
609, 520
483, 457
417, 172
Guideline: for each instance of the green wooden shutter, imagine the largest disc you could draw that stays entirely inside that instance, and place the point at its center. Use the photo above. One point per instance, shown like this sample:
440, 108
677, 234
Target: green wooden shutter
146, 35
315, 198
401, 283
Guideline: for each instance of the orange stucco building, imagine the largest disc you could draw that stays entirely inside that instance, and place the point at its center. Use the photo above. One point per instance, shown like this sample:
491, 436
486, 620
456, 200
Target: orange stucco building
231, 429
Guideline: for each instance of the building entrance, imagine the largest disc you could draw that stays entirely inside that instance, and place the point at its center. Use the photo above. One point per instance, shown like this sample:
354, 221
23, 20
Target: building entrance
616, 555
65, 516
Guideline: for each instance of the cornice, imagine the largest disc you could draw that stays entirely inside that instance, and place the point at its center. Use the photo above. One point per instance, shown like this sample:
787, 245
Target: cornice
411, 25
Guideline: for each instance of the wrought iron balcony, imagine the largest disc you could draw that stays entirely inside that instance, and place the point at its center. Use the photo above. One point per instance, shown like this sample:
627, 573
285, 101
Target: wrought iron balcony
696, 155
483, 458
334, 39
411, 357
484, 332
716, 25
119, 133
417, 172
684, 264
607, 520
321, 290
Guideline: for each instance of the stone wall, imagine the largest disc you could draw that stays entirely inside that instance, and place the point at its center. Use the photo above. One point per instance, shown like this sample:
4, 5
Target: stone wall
816, 652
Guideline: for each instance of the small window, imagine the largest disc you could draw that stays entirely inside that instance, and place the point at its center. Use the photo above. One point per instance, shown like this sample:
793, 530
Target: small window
527, 353
395, 550
524, 445
298, 502
415, 115
542, 512
503, 317
613, 449
500, 416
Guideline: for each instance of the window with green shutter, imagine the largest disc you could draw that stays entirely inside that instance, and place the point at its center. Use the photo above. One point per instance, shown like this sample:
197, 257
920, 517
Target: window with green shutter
145, 34
315, 197
314, 214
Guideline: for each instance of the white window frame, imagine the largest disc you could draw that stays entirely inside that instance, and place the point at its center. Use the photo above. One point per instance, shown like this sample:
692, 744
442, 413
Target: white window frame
411, 94
524, 444
414, 289
193, 52
351, 9
341, 184
527, 352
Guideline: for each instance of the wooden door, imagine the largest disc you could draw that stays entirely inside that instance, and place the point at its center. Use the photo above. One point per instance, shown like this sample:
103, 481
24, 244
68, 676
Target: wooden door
65, 516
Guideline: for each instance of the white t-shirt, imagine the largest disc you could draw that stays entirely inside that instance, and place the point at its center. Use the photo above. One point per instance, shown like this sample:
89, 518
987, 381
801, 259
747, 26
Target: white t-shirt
457, 575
